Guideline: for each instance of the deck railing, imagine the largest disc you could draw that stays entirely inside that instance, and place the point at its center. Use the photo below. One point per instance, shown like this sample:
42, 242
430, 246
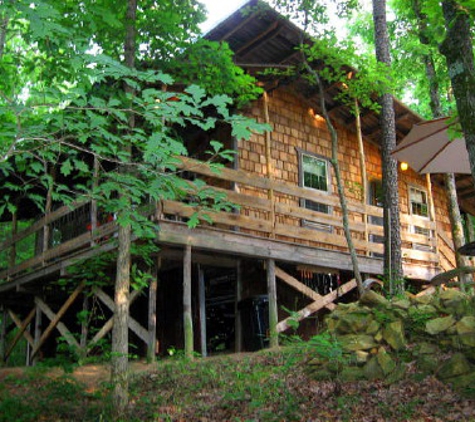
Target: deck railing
263, 208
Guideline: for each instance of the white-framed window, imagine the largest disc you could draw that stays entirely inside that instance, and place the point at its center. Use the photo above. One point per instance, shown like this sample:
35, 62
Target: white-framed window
419, 205
314, 173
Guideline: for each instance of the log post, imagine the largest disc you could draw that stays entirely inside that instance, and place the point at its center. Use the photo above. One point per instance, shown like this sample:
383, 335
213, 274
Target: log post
202, 298
152, 313
272, 291
237, 313
14, 232
187, 316
84, 325
3, 334
37, 333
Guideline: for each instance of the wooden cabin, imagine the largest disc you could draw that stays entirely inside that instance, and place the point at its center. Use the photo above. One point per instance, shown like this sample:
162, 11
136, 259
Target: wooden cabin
282, 245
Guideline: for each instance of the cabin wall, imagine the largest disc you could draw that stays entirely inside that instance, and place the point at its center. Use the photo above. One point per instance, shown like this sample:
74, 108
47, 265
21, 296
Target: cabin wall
296, 127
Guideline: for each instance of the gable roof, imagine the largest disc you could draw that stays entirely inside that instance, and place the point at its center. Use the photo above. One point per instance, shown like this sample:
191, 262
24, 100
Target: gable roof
262, 38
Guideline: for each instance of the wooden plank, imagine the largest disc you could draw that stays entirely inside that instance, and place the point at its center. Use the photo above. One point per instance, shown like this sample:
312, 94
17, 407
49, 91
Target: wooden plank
242, 244
272, 292
133, 324
302, 288
316, 306
20, 332
182, 210
56, 323
18, 323
187, 312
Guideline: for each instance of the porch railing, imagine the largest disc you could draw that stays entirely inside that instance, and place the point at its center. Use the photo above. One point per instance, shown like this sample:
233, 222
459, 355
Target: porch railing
263, 208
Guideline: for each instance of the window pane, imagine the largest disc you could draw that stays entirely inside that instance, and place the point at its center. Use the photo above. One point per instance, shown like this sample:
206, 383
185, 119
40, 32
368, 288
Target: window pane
314, 173
418, 200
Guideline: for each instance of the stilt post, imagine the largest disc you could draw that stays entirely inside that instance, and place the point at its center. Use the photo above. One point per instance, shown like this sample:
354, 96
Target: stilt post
187, 315
272, 291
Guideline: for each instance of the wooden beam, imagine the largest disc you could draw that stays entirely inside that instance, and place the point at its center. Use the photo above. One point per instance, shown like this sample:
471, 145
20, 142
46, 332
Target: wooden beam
38, 321
56, 323
109, 323
187, 315
18, 323
316, 306
133, 324
302, 288
272, 292
20, 332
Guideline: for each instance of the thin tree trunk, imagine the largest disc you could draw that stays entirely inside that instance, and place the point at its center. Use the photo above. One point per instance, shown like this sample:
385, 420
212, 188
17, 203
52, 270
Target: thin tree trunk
120, 332
392, 226
187, 312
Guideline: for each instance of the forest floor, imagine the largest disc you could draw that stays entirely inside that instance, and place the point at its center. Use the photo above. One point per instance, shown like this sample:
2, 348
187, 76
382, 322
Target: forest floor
272, 385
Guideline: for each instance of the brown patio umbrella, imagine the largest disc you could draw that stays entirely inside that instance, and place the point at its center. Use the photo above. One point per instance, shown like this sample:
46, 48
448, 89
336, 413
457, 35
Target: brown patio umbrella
428, 148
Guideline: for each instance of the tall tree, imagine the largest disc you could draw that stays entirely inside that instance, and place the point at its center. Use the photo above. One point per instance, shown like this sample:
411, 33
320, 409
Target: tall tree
457, 48
392, 243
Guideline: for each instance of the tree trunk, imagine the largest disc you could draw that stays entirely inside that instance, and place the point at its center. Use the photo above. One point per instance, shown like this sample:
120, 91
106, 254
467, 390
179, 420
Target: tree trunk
392, 227
458, 51
436, 108
120, 332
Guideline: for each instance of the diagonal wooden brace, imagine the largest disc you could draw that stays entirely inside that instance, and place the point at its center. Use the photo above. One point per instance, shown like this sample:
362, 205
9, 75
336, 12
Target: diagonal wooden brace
302, 288
20, 332
133, 324
316, 306
19, 324
56, 320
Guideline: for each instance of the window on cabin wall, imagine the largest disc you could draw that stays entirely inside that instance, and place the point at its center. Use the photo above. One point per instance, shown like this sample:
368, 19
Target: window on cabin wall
419, 205
314, 173
375, 197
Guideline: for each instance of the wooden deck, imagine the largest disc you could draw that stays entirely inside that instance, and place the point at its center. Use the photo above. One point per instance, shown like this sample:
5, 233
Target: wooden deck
267, 222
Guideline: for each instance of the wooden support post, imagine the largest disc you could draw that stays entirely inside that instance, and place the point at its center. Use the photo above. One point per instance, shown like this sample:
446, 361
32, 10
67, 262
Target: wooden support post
152, 313
48, 207
37, 334
272, 291
432, 214
3, 334
237, 313
202, 299
187, 315
84, 325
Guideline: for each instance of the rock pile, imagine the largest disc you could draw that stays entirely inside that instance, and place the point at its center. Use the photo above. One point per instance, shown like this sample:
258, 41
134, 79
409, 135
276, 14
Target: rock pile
379, 338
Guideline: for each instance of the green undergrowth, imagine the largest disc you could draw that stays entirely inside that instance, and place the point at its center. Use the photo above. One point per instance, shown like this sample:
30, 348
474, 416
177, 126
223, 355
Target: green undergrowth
270, 385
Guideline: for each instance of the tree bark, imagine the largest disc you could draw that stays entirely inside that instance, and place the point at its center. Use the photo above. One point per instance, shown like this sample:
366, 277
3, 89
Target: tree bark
392, 227
436, 108
120, 332
458, 51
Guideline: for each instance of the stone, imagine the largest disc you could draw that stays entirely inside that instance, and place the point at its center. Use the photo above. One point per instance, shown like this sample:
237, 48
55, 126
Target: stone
385, 361
427, 364
439, 325
353, 342
352, 373
452, 294
396, 375
361, 357
353, 323
373, 370
463, 381
425, 348
423, 299
394, 335
455, 366
373, 299
373, 327
403, 303
466, 325
467, 340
